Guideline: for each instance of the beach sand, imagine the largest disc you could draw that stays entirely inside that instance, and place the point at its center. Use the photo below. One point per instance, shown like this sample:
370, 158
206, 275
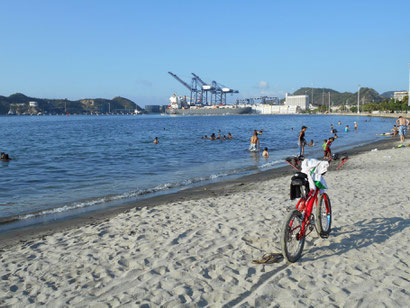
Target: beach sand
198, 252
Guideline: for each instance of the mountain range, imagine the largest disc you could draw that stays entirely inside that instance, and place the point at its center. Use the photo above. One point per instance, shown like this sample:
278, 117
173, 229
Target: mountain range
321, 96
19, 103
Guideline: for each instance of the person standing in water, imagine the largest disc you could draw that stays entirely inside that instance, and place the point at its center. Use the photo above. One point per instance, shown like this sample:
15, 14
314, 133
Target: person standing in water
254, 145
302, 141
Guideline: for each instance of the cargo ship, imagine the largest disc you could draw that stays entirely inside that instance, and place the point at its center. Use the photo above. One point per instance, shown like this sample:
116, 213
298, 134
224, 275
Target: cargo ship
178, 106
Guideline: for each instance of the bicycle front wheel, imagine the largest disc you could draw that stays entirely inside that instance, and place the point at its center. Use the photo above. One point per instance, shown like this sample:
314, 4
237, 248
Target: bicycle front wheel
291, 240
324, 216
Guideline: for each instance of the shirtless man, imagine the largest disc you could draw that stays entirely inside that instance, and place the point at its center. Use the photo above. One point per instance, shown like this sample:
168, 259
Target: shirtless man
402, 124
254, 146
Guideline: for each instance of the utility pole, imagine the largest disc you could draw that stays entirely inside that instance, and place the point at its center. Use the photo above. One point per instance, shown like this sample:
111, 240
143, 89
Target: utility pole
329, 103
312, 89
358, 100
408, 93
323, 97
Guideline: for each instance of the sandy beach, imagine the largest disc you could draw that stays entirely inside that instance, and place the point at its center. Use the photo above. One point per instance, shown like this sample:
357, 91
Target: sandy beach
198, 252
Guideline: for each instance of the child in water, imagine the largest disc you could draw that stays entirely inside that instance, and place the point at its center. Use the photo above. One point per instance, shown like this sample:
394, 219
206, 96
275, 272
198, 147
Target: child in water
328, 152
265, 153
324, 144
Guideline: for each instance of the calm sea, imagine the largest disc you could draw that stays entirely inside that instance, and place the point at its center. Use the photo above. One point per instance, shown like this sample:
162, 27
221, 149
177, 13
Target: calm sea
66, 165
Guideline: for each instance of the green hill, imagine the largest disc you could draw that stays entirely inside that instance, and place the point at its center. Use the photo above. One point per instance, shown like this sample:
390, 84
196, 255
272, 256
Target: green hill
321, 96
19, 103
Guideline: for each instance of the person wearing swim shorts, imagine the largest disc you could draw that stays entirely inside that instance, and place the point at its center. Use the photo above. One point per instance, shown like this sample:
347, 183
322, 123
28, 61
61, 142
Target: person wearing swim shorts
254, 146
302, 141
402, 124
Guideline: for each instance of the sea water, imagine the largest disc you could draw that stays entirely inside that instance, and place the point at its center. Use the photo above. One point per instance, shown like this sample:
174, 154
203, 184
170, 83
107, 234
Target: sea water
63, 163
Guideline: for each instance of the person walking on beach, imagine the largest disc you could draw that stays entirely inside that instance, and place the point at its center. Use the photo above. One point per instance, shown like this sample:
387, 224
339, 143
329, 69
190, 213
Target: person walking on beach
254, 146
402, 124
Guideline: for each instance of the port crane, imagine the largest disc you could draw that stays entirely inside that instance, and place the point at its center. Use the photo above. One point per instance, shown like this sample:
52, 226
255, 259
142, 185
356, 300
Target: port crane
193, 88
199, 90
205, 88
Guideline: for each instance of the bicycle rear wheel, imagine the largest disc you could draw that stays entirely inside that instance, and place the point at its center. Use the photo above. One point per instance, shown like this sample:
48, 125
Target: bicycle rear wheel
291, 241
323, 216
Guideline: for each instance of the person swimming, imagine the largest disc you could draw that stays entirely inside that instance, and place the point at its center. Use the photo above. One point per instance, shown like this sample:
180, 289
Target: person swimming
156, 140
230, 136
4, 157
265, 153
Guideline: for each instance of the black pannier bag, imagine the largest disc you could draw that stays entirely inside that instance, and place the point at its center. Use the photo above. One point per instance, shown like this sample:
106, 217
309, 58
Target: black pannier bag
299, 185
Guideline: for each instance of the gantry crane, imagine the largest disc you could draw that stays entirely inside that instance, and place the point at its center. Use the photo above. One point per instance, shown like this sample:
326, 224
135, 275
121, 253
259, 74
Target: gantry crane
193, 88
205, 88
199, 87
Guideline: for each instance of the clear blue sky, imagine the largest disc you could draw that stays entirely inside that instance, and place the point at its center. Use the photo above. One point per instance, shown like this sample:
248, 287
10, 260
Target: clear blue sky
78, 49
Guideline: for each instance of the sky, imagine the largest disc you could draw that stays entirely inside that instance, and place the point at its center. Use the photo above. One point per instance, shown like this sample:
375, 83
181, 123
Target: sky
88, 49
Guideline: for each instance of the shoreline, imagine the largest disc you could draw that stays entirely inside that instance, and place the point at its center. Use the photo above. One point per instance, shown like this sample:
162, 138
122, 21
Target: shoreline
197, 250
27, 233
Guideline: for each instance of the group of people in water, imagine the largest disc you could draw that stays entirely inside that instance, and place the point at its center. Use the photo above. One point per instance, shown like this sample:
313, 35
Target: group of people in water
218, 137
255, 143
402, 125
4, 157
326, 143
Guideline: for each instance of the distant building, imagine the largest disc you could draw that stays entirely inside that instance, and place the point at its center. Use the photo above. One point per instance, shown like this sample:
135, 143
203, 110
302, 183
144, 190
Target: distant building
33, 104
273, 109
399, 96
301, 101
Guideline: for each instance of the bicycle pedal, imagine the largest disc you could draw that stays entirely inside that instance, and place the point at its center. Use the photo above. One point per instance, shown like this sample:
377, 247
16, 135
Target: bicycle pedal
323, 235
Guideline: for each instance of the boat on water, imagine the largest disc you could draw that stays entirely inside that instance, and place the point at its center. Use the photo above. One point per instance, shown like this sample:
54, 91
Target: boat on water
179, 107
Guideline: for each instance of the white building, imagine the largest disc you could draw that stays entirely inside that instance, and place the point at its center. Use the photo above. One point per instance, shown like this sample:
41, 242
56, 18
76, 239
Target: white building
398, 96
274, 109
301, 101
33, 104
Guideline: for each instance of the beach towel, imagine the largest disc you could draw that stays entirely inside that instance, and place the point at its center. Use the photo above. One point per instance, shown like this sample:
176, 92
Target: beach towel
315, 169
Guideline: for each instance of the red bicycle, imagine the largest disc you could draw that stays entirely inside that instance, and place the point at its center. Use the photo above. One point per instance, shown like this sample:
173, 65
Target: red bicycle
300, 222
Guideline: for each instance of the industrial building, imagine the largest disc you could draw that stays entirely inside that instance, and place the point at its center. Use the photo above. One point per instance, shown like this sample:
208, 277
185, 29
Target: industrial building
298, 101
274, 109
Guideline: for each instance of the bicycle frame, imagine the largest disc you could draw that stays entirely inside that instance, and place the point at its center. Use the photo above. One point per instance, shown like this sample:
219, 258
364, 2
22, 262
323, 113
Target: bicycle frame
306, 204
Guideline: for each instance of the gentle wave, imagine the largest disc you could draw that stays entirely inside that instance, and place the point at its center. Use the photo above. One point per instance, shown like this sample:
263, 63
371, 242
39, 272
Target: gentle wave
111, 198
